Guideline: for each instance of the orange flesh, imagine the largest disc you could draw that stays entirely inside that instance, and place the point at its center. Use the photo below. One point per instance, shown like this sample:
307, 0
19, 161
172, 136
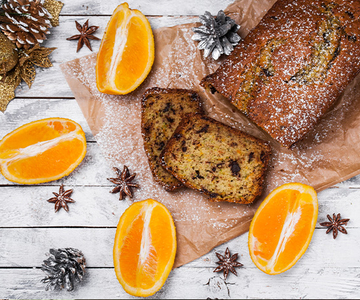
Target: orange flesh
144, 248
126, 52
135, 51
35, 133
131, 246
42, 151
298, 239
38, 166
107, 45
281, 230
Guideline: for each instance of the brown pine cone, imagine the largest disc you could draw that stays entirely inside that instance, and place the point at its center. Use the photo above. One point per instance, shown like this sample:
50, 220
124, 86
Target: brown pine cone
26, 22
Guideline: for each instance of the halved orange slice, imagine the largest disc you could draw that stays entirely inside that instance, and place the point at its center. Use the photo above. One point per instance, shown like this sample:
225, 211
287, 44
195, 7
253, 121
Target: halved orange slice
282, 227
126, 52
144, 247
42, 151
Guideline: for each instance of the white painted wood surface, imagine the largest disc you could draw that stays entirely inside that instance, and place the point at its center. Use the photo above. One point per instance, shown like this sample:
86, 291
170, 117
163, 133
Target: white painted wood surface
29, 227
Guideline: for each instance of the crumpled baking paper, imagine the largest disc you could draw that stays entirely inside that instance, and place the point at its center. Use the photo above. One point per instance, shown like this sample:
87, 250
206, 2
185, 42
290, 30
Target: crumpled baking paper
328, 155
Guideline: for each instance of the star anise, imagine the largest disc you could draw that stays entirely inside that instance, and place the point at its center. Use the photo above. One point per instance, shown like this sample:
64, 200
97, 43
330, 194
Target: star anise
86, 34
123, 182
335, 224
227, 263
62, 199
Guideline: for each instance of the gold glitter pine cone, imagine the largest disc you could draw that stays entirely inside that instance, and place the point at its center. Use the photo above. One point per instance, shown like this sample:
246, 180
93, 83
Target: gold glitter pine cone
8, 54
26, 22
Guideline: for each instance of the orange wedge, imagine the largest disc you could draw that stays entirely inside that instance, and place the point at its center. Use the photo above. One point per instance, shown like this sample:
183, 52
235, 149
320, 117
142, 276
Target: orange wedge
144, 248
282, 227
42, 151
126, 52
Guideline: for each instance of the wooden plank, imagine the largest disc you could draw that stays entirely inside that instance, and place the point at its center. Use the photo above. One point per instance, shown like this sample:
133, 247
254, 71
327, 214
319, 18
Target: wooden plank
157, 7
93, 170
27, 207
195, 283
353, 182
25, 110
23, 206
97, 244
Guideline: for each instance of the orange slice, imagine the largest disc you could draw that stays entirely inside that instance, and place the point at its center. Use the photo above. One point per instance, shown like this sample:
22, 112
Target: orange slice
144, 248
126, 52
282, 227
42, 151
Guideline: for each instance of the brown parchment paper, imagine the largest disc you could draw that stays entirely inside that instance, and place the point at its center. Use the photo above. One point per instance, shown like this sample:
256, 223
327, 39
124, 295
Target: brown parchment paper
328, 155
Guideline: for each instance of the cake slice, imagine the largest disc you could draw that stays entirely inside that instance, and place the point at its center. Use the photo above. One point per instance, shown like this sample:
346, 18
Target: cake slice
162, 110
219, 161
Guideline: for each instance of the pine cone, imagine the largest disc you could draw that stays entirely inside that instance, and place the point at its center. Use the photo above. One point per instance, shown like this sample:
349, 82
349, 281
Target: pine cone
63, 268
26, 22
217, 35
8, 54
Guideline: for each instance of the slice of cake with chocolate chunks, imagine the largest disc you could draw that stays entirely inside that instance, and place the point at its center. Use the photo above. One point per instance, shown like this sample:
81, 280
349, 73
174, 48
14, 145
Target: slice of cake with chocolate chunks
162, 111
218, 160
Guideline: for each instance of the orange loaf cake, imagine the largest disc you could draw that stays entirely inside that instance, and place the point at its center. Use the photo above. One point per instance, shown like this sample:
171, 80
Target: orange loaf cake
292, 66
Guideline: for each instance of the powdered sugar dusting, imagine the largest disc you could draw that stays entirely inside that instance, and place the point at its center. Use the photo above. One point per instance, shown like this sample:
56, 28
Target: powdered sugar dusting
293, 65
202, 224
117, 124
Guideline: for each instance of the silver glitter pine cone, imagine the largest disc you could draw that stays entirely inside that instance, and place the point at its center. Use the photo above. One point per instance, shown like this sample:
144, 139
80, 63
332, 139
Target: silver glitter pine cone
63, 268
217, 35
25, 22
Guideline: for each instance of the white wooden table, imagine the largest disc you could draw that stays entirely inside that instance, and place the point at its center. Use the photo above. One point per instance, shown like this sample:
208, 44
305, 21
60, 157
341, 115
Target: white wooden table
29, 227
